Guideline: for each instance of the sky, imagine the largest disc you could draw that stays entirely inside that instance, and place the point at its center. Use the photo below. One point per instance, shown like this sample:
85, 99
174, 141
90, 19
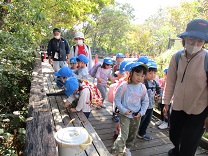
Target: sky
146, 8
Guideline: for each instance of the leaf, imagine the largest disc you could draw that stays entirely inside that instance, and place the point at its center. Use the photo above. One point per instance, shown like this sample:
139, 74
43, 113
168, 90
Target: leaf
1, 131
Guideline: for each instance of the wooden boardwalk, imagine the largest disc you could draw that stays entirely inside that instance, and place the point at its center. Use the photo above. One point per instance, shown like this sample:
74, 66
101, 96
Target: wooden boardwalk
104, 126
102, 122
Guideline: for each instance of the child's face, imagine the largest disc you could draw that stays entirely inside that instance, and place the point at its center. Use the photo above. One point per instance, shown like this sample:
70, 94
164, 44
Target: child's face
119, 59
73, 65
151, 75
107, 66
137, 77
81, 64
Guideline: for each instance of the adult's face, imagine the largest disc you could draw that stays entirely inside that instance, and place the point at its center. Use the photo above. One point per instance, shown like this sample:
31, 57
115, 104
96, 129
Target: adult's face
56, 33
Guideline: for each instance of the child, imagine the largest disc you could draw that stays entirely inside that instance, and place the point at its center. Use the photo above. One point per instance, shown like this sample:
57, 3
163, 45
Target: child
82, 72
163, 122
131, 106
62, 75
154, 93
74, 91
119, 59
122, 77
102, 75
73, 64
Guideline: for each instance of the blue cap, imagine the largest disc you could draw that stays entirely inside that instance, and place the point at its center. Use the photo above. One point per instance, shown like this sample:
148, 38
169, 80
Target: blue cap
73, 60
143, 59
108, 60
122, 67
82, 58
128, 66
136, 64
71, 84
152, 64
165, 70
64, 72
119, 55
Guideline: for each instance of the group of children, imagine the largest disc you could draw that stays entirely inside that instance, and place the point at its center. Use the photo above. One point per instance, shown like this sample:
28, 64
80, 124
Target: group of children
134, 95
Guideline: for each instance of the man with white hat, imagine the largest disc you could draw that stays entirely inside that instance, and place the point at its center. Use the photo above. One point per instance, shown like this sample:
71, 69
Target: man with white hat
81, 48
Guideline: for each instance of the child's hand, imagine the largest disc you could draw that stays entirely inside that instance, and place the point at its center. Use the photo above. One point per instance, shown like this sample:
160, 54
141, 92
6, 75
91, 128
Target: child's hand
66, 104
99, 80
138, 115
127, 112
73, 110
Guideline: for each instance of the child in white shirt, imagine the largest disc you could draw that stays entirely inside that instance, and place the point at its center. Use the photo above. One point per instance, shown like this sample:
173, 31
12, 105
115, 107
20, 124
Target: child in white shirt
82, 72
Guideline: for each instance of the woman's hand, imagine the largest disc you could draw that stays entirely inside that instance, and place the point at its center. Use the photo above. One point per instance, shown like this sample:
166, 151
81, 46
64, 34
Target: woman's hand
165, 111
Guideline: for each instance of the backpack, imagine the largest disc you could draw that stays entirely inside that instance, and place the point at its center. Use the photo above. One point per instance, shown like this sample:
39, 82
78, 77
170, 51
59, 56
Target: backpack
94, 69
178, 55
157, 87
112, 90
95, 95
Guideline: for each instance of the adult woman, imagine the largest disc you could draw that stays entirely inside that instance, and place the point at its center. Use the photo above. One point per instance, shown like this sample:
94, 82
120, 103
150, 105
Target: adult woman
81, 48
187, 81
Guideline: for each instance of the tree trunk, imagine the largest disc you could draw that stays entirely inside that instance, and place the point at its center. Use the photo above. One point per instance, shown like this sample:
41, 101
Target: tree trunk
3, 12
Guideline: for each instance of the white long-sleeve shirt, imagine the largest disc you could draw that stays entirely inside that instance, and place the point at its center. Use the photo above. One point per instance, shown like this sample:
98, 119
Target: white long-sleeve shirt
83, 100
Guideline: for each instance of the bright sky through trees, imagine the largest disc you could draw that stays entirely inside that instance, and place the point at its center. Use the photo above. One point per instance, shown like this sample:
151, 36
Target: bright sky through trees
146, 8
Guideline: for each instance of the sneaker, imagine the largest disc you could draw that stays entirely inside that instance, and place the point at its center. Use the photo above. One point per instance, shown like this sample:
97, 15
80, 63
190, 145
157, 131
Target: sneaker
145, 137
164, 125
103, 106
115, 118
127, 152
159, 122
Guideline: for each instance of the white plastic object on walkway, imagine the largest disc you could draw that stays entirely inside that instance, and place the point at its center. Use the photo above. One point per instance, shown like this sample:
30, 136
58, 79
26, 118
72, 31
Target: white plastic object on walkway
72, 141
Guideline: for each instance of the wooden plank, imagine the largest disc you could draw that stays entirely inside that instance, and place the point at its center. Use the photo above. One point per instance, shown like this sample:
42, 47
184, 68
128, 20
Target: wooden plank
102, 150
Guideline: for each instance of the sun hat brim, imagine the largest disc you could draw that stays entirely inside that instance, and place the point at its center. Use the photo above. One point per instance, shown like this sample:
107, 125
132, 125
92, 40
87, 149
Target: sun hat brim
197, 34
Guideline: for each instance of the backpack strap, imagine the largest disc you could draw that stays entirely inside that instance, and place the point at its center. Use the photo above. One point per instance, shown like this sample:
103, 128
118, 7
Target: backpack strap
144, 90
206, 62
158, 88
146, 84
177, 57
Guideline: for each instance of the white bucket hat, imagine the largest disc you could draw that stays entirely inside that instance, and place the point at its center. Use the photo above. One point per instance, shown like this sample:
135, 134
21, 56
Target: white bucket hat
79, 35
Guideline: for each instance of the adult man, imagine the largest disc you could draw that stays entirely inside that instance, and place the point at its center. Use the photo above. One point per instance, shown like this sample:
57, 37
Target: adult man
58, 50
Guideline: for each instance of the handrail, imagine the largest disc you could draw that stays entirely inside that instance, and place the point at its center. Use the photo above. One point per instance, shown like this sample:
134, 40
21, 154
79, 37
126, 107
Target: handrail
39, 131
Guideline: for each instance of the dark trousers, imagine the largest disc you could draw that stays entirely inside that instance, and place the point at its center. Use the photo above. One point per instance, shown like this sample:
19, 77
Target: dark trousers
145, 122
186, 131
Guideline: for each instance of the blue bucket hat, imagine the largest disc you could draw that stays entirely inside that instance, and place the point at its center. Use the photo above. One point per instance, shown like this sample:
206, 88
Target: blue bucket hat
73, 60
119, 55
108, 60
71, 84
143, 59
165, 70
64, 72
136, 64
122, 67
152, 64
128, 66
82, 58
196, 28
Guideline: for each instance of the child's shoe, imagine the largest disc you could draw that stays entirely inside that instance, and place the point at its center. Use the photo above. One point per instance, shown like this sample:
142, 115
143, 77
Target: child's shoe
159, 122
115, 118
